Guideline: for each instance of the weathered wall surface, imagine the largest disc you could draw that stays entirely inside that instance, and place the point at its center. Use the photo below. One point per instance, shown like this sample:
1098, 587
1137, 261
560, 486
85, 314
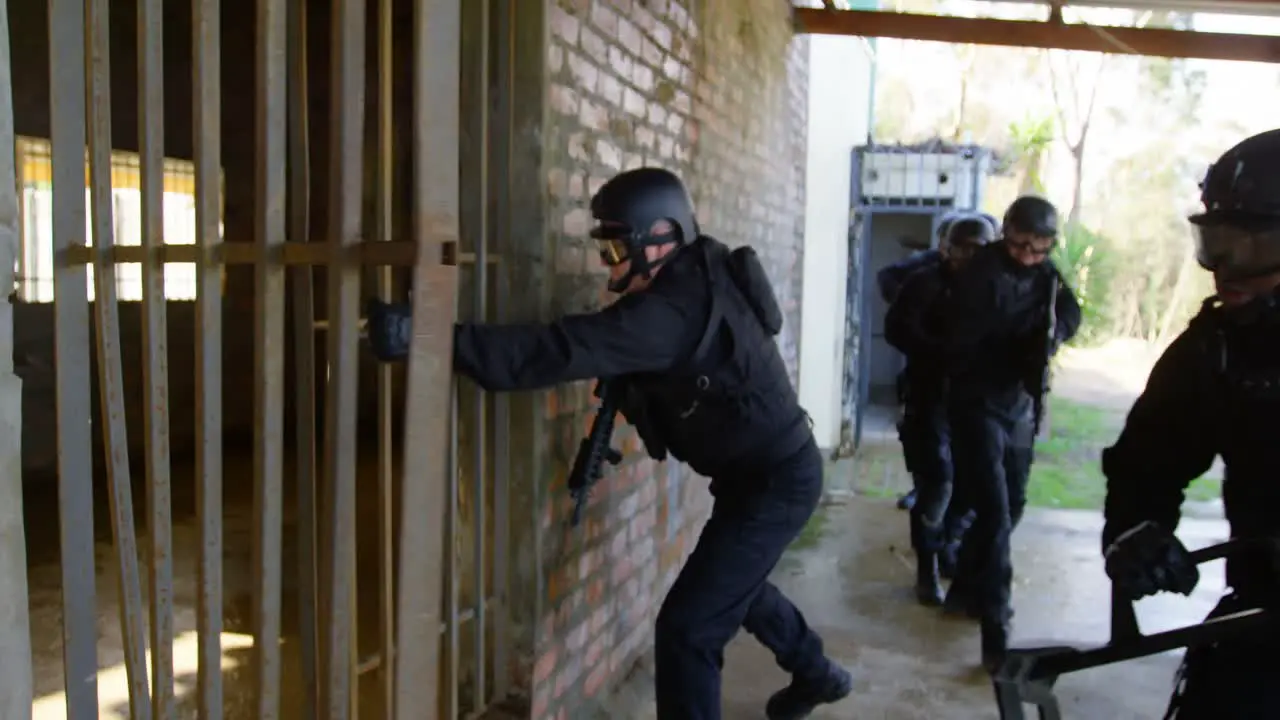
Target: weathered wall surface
716, 91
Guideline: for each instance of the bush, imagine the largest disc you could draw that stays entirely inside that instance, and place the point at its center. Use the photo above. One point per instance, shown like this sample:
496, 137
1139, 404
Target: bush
1088, 265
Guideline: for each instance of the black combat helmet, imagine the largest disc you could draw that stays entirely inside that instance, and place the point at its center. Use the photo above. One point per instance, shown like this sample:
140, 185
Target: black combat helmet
944, 224
636, 199
970, 231
1032, 214
626, 208
992, 221
1239, 229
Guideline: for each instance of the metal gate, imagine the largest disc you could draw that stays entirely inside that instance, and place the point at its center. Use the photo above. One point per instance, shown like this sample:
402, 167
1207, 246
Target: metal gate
439, 573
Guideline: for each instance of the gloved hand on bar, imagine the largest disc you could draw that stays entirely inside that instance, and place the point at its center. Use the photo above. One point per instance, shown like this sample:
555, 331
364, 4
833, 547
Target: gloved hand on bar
390, 329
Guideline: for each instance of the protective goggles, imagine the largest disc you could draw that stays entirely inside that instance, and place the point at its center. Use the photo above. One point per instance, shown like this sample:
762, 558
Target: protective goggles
1037, 245
612, 242
1234, 252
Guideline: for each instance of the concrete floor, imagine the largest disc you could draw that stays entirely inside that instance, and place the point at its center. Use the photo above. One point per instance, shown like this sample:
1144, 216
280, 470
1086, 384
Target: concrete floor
909, 662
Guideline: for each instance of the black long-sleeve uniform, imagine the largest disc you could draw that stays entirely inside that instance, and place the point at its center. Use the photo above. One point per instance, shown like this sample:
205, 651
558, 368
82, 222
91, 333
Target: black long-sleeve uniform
996, 323
1215, 391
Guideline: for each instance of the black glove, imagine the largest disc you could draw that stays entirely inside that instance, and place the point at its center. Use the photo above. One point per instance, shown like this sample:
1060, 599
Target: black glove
1147, 559
390, 328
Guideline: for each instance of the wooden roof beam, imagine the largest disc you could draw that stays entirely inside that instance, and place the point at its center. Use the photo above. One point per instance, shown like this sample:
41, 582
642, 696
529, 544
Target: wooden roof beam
1038, 34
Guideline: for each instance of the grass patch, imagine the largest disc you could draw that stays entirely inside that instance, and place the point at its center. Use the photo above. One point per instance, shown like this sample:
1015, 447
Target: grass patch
1067, 472
1068, 468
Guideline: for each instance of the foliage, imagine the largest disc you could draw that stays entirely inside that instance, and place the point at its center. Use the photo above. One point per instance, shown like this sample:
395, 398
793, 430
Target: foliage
1029, 140
1088, 267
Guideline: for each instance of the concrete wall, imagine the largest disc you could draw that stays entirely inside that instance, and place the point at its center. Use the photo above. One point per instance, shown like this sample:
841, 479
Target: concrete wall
718, 92
839, 112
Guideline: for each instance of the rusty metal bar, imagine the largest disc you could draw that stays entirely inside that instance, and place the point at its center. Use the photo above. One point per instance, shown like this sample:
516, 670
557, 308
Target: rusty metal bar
500, 179
155, 341
477, 176
110, 374
269, 354
396, 253
386, 488
451, 558
71, 345
304, 352
346, 147
15, 623
207, 137
437, 31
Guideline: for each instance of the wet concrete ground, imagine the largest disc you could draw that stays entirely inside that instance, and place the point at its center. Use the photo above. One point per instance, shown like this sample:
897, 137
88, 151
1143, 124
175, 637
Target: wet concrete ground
909, 662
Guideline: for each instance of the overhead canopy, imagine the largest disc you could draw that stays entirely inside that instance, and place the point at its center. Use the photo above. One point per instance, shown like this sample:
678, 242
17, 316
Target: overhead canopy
1053, 33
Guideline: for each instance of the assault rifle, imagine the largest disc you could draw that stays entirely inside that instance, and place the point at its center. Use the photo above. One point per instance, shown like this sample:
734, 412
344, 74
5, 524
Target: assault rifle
1040, 388
595, 449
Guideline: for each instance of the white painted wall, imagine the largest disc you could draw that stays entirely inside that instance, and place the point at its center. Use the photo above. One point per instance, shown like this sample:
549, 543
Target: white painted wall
839, 110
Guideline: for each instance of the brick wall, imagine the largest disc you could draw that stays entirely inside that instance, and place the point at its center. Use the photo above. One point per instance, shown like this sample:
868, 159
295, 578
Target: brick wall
716, 91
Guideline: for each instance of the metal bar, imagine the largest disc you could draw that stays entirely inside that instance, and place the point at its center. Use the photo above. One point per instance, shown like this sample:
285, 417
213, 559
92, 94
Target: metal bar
15, 624
268, 451
346, 146
451, 557
155, 343
437, 34
480, 288
1038, 34
500, 178
386, 480
71, 344
396, 253
110, 374
207, 136
304, 352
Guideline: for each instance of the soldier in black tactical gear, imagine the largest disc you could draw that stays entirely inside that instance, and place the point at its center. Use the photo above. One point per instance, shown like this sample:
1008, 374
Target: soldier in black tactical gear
914, 325
1002, 306
891, 277
691, 341
1215, 391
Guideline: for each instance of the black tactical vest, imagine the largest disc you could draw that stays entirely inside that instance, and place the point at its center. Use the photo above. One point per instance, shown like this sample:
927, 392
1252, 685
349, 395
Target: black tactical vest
1241, 386
730, 405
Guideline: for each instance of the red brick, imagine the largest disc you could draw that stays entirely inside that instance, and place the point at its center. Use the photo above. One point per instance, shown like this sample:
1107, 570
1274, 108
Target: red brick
594, 46
584, 72
651, 53
562, 24
600, 618
563, 99
541, 698
629, 36
568, 675
620, 64
545, 666
604, 18
595, 650
576, 638
595, 680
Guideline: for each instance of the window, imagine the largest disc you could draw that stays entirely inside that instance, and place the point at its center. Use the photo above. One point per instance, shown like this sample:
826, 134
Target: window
35, 261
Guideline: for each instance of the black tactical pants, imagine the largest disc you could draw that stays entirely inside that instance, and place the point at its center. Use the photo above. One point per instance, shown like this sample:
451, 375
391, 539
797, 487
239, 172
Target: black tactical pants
1236, 679
991, 444
724, 586
939, 516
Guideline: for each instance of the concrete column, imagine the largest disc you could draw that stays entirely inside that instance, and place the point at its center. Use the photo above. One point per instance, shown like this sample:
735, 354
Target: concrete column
15, 625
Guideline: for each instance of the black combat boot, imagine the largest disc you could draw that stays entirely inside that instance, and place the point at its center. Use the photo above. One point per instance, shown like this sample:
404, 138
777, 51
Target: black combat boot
907, 501
928, 585
948, 557
804, 695
995, 640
